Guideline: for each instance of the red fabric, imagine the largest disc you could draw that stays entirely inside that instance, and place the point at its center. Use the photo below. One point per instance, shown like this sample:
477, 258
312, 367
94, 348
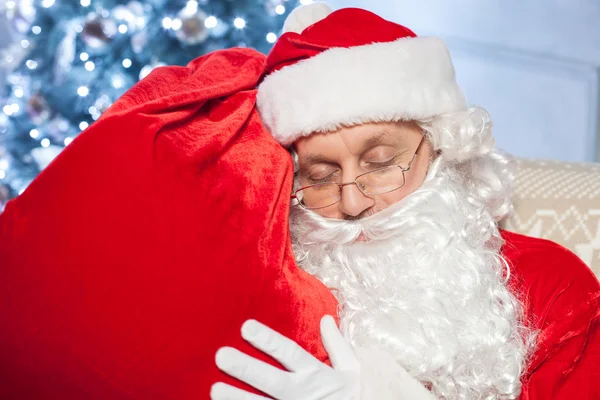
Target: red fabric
144, 246
562, 300
346, 27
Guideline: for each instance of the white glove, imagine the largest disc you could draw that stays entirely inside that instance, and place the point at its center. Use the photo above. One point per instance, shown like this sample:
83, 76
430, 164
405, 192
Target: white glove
384, 379
306, 379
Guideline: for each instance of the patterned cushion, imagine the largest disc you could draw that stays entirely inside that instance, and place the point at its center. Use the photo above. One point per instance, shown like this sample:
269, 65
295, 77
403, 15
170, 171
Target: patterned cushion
559, 201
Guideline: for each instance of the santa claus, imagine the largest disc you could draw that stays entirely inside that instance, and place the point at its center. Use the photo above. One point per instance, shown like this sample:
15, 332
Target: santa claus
398, 189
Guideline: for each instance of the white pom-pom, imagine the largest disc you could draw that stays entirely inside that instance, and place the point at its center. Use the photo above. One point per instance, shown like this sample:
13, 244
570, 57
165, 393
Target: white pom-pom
304, 16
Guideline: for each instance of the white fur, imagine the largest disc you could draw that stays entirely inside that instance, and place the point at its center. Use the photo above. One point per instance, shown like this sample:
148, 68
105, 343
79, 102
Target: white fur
428, 286
304, 16
408, 79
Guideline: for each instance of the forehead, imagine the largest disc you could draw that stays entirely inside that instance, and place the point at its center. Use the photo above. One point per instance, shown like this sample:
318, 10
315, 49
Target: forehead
357, 139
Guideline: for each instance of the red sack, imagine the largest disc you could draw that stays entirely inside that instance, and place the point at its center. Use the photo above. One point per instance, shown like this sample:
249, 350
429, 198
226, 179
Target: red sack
143, 247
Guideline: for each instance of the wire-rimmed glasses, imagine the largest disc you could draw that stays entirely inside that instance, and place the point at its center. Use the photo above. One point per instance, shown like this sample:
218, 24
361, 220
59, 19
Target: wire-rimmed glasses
379, 181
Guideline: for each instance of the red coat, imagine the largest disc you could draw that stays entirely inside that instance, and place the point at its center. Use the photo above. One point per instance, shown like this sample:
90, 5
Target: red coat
562, 299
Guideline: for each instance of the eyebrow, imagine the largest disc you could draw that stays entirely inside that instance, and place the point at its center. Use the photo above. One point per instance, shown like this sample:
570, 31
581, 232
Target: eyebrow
310, 159
373, 141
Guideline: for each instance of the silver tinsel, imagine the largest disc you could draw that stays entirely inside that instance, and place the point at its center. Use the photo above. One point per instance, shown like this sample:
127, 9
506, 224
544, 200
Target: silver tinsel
38, 109
21, 13
98, 31
189, 25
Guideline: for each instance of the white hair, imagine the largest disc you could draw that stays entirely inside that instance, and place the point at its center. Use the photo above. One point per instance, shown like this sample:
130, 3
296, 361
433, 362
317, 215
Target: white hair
429, 284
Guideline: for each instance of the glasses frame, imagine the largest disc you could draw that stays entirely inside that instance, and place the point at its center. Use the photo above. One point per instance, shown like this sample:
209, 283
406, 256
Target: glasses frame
354, 182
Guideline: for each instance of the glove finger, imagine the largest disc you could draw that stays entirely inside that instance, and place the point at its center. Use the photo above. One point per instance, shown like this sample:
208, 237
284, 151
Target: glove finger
223, 391
254, 372
289, 353
340, 352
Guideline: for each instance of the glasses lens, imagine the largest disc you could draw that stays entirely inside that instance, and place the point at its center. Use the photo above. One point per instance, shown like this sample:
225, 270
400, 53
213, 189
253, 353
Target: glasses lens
319, 196
381, 180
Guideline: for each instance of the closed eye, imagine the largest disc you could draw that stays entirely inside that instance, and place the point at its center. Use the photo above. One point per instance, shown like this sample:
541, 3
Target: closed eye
382, 164
375, 165
329, 178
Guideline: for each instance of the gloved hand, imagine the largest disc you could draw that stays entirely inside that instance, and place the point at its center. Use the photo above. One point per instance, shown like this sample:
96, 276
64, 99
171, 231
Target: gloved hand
306, 379
383, 378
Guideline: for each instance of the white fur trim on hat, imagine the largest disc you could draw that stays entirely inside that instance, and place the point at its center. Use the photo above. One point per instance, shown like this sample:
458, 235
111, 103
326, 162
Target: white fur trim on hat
304, 16
408, 79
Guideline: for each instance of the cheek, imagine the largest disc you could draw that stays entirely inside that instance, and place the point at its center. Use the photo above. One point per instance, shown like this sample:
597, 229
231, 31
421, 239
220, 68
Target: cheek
414, 179
385, 200
330, 212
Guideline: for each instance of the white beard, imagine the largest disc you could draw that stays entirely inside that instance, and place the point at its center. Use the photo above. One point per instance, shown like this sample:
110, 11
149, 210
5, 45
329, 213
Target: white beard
428, 286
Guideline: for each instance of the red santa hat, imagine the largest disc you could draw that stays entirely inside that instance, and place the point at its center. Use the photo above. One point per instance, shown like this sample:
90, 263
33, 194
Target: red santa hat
347, 67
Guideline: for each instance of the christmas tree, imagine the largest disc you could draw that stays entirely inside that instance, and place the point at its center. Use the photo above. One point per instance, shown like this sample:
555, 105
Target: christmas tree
78, 56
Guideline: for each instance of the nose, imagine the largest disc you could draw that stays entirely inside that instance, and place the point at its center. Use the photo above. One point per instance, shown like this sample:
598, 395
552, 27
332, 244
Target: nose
353, 201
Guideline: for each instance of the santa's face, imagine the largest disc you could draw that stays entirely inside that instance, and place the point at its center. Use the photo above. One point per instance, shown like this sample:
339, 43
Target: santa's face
418, 272
341, 156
